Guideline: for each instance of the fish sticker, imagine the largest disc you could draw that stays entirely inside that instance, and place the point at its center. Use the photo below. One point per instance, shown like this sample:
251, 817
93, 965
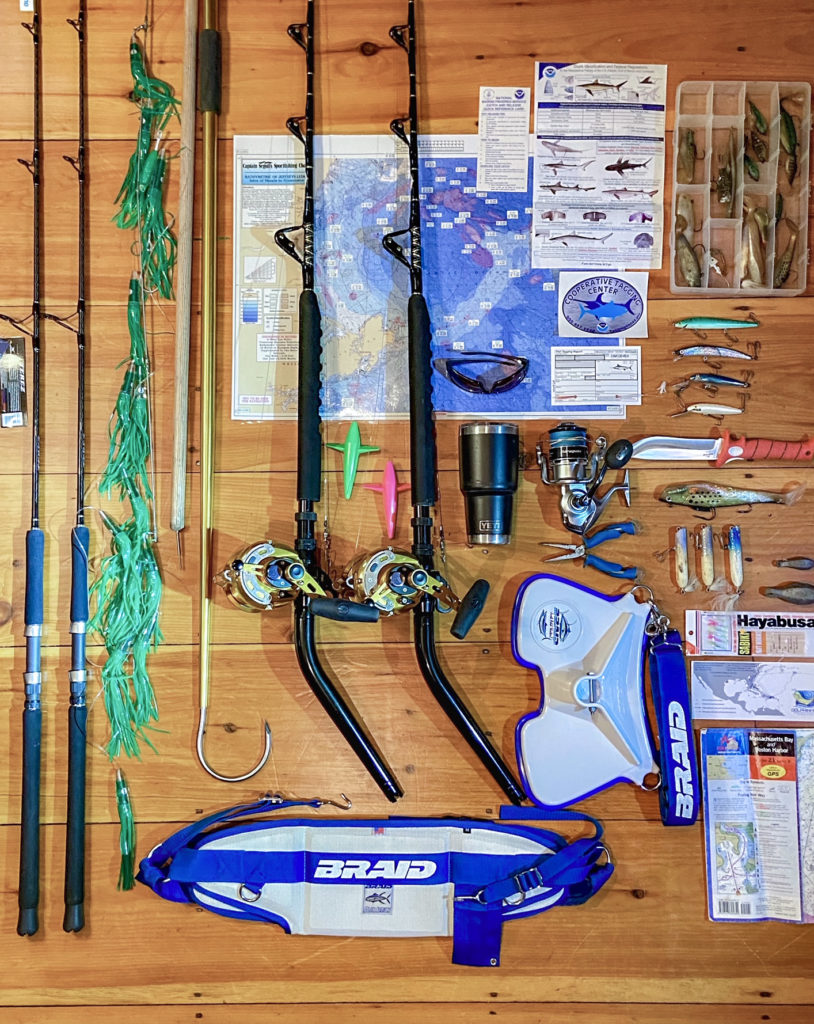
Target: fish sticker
602, 304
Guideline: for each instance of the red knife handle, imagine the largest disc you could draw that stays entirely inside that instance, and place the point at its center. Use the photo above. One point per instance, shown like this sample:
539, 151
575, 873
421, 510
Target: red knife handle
758, 449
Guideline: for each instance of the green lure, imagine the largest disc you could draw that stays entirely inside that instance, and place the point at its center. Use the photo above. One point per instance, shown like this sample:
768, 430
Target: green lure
141, 196
127, 834
714, 323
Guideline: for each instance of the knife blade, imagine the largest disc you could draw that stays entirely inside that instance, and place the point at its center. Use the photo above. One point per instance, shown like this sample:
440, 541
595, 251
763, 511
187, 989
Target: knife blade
721, 450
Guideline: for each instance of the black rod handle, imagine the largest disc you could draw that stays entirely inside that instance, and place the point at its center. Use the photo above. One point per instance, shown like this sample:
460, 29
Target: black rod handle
29, 898
334, 703
74, 919
423, 457
457, 712
469, 609
341, 610
209, 70
309, 440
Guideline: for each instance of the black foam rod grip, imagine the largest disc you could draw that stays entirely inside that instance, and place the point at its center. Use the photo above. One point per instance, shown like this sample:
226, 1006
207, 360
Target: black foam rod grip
74, 919
343, 611
29, 894
309, 449
470, 608
209, 70
423, 457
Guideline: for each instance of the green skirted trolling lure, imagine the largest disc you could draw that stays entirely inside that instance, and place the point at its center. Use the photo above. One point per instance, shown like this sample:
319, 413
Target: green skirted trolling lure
127, 834
141, 195
127, 593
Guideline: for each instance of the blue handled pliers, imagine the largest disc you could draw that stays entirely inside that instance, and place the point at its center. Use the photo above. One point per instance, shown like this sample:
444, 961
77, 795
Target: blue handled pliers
583, 550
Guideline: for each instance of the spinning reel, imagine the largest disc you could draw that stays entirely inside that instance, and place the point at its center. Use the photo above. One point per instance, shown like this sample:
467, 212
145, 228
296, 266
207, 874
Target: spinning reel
578, 471
394, 581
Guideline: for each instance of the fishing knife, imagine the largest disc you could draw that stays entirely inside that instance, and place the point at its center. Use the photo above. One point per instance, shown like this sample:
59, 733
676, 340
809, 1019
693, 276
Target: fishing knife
721, 450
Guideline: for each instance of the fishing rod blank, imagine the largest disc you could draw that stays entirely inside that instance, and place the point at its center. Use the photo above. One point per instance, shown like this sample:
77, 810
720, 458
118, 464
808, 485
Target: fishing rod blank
29, 895
74, 919
427, 589
265, 575
209, 96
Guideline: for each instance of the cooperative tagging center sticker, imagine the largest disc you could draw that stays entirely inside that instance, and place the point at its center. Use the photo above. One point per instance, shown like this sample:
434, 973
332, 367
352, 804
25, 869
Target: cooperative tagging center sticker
596, 303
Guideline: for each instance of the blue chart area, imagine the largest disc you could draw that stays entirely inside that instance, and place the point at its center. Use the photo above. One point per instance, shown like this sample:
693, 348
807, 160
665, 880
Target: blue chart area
481, 290
482, 293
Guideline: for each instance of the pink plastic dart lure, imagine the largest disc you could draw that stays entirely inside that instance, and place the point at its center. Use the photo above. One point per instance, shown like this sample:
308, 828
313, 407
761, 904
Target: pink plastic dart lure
389, 489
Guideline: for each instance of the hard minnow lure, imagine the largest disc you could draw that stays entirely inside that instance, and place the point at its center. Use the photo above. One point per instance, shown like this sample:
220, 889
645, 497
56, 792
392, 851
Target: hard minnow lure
708, 497
713, 381
714, 409
715, 323
794, 563
707, 352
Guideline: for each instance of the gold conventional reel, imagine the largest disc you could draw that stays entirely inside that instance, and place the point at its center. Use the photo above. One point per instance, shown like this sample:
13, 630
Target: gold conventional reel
265, 575
394, 581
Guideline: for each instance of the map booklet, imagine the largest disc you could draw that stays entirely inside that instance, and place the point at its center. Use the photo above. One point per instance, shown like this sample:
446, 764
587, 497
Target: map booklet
482, 292
759, 824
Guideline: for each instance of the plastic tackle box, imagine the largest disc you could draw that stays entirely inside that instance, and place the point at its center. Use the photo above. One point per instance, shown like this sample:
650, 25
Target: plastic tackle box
741, 236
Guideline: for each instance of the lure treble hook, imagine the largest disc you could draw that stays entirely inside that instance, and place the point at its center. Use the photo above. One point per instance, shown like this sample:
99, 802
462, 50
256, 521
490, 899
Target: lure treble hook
199, 746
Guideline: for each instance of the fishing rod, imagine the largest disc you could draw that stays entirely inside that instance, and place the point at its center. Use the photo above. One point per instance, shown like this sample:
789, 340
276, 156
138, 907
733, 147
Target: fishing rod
209, 97
183, 278
265, 575
398, 580
74, 919
29, 891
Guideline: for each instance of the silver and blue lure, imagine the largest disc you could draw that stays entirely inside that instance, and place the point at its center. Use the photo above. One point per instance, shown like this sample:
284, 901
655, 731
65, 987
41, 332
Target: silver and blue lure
734, 549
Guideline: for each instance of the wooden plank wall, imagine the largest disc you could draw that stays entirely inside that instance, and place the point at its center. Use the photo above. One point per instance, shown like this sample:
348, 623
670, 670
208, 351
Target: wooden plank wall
643, 950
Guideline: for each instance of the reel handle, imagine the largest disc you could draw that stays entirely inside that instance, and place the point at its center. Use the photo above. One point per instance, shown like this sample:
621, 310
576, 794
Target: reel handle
619, 454
343, 611
616, 457
470, 608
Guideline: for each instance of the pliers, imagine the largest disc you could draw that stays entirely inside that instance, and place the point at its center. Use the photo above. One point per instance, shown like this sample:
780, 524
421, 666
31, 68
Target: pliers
598, 537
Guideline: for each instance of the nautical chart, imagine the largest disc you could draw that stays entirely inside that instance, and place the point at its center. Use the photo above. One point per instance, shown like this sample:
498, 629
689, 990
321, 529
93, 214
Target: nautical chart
759, 823
481, 290
738, 691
